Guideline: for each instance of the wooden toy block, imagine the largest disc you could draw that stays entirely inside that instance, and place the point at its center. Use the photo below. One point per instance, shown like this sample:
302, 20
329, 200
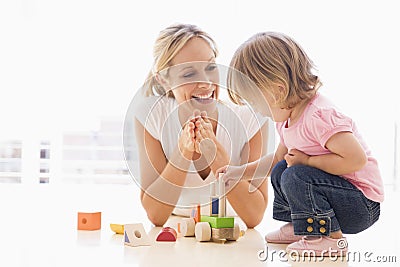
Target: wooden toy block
236, 233
222, 197
89, 221
242, 233
203, 231
187, 226
195, 213
135, 235
117, 228
167, 234
214, 206
222, 234
219, 222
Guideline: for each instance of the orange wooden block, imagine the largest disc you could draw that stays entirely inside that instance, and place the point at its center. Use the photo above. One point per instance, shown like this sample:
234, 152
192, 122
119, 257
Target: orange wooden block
195, 213
89, 221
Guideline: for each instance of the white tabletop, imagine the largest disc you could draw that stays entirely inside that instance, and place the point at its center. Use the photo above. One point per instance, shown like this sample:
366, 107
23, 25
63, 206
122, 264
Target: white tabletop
38, 227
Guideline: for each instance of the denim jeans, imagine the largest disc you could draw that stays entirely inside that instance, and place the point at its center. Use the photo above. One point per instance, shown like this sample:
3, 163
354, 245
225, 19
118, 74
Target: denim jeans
318, 203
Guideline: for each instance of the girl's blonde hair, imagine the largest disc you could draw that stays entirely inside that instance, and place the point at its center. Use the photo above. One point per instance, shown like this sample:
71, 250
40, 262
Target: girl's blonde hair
269, 58
169, 42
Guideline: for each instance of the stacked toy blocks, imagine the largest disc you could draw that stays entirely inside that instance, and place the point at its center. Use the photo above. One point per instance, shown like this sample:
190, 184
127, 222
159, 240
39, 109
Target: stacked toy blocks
216, 227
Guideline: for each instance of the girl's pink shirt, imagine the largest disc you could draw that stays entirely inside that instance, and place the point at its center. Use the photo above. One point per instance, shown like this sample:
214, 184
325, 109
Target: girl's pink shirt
319, 122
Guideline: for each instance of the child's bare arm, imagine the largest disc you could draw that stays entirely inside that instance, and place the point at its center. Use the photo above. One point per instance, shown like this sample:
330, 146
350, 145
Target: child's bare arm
347, 156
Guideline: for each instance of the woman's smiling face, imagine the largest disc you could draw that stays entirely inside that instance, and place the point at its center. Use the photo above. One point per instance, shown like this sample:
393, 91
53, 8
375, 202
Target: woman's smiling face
193, 77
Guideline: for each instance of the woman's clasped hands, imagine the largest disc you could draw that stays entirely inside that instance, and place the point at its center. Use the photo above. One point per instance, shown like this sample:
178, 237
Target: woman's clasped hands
198, 135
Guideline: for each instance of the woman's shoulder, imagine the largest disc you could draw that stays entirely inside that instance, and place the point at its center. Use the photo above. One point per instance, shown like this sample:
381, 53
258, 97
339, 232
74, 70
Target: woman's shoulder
153, 111
154, 106
159, 102
240, 117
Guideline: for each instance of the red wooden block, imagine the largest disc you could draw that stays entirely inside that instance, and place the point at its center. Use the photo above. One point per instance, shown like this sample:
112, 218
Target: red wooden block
167, 234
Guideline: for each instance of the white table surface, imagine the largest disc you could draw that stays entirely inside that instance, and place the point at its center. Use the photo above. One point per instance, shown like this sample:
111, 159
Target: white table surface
38, 227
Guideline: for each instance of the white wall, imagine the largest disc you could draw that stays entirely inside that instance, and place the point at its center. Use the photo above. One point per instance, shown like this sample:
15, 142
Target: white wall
66, 64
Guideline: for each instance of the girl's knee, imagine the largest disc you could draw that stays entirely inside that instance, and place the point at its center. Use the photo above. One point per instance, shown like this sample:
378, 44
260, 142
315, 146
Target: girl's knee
294, 176
277, 171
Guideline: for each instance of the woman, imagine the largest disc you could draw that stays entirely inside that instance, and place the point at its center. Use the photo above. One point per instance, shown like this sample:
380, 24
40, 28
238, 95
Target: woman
184, 134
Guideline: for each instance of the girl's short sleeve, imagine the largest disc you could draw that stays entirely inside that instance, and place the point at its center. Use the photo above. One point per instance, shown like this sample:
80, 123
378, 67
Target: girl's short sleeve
324, 123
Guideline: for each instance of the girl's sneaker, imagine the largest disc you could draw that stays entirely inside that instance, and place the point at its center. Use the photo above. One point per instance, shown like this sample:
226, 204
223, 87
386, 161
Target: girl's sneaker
285, 235
319, 246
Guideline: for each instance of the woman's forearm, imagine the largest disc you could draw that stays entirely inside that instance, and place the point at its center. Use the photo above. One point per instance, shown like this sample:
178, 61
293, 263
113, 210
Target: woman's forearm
221, 158
252, 209
259, 169
249, 204
161, 196
249, 197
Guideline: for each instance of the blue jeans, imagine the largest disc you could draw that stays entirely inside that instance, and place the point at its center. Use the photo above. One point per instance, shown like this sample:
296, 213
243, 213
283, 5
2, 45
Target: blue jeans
318, 203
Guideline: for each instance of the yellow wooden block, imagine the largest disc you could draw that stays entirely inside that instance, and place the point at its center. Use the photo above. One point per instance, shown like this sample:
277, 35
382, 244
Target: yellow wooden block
117, 228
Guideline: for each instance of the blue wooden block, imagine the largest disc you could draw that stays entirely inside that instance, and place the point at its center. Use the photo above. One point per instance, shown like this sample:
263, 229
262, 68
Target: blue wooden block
214, 206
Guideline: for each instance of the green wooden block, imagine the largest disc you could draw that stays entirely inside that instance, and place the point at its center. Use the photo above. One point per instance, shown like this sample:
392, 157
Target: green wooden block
218, 222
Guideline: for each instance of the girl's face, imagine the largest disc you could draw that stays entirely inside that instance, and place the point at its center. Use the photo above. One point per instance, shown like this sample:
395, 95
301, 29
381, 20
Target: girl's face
193, 77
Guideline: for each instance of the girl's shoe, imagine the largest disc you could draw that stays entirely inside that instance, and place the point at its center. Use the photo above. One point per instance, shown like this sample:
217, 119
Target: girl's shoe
285, 235
319, 246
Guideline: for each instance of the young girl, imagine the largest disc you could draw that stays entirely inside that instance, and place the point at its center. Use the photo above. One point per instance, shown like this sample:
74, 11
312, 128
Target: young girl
325, 180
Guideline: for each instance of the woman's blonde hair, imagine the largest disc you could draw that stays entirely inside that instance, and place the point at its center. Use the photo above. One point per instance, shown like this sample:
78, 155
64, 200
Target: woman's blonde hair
273, 58
169, 42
